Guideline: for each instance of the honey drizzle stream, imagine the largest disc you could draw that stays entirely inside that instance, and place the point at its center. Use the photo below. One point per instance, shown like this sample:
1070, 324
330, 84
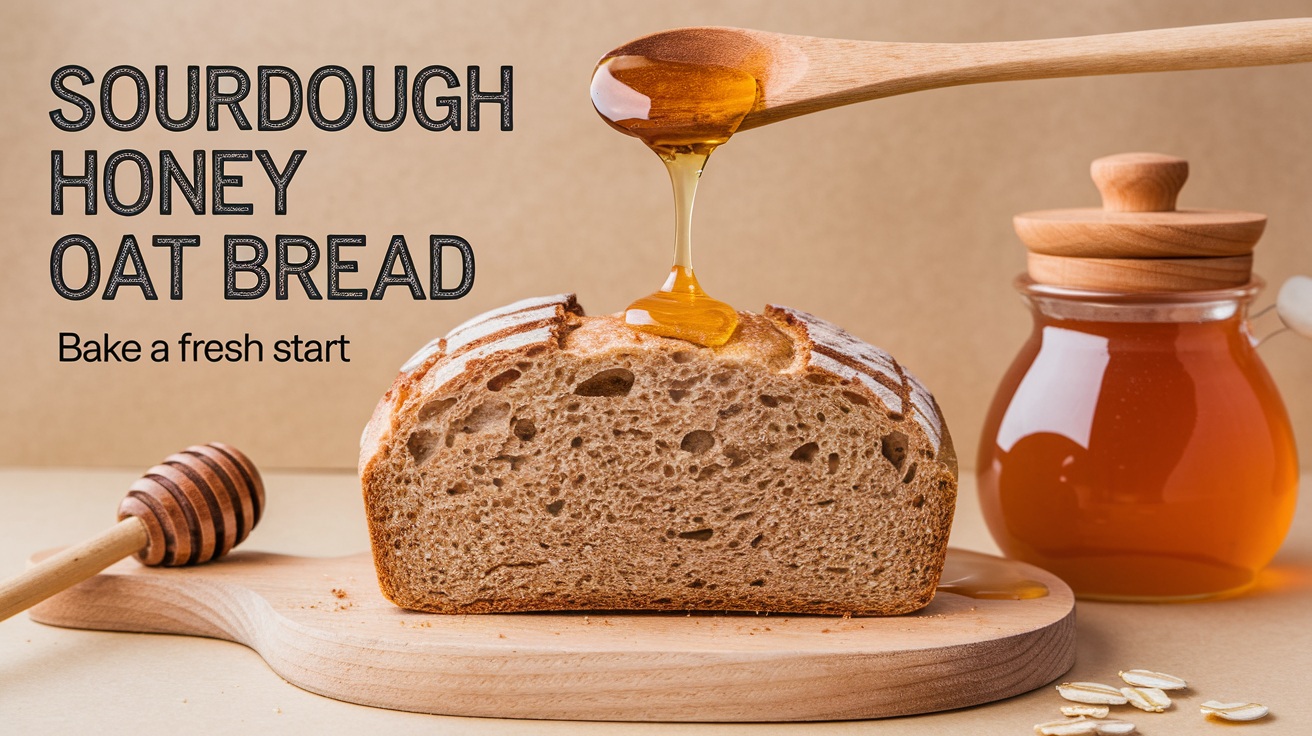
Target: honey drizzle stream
681, 308
682, 112
685, 171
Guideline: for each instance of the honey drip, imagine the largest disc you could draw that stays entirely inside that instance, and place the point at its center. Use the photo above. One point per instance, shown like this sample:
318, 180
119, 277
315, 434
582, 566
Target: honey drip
986, 577
682, 112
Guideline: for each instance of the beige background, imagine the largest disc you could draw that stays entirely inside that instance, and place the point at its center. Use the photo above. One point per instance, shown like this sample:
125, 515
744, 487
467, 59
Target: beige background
891, 217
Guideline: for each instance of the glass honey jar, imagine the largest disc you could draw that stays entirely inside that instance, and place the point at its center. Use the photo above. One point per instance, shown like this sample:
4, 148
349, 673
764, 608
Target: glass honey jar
1138, 447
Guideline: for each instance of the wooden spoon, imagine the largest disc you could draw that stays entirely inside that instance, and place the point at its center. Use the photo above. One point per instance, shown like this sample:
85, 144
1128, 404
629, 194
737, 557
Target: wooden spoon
804, 74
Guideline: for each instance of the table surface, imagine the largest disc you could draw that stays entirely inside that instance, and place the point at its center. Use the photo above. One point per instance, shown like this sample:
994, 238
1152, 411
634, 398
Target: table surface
1254, 648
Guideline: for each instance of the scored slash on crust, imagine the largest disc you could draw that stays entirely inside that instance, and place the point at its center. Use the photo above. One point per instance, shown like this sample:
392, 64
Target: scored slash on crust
513, 317
839, 352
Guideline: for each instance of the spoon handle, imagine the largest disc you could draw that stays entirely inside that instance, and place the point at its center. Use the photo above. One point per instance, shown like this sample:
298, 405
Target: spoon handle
859, 71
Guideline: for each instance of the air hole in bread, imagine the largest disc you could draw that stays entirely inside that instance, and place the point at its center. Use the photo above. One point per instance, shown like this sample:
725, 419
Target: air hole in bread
554, 507
422, 444
503, 379
699, 535
676, 394
721, 378
525, 430
919, 500
838, 570
768, 400
894, 447
608, 383
856, 398
756, 541
910, 476
457, 489
433, 410
698, 583
735, 456
805, 453
697, 441
826, 502
730, 410
757, 583
486, 416
833, 463
744, 516
683, 356
576, 442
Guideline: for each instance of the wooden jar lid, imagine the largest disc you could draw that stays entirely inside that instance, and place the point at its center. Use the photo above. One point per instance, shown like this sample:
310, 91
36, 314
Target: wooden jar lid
1139, 241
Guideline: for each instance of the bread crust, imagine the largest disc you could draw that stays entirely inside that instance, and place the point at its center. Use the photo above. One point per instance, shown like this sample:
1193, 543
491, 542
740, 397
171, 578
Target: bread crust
796, 468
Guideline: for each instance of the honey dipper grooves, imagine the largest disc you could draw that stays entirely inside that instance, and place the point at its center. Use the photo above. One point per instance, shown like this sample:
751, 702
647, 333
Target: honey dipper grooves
538, 459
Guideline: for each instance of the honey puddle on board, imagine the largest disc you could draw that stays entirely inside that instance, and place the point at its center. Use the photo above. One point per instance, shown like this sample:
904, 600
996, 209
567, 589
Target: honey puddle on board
682, 112
976, 575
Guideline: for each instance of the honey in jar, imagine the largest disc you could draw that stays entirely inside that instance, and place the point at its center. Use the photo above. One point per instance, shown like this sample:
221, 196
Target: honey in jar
1137, 447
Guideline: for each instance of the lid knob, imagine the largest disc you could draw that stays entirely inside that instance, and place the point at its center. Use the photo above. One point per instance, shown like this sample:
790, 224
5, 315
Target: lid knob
1139, 182
1139, 240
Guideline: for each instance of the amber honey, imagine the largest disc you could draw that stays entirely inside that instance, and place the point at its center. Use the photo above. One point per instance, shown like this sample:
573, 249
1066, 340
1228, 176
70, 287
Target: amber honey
986, 577
1139, 449
682, 112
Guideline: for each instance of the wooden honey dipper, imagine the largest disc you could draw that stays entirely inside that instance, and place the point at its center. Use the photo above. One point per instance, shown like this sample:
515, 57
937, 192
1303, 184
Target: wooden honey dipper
193, 507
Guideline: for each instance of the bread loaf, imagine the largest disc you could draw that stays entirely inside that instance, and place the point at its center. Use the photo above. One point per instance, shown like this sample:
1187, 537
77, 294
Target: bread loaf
538, 459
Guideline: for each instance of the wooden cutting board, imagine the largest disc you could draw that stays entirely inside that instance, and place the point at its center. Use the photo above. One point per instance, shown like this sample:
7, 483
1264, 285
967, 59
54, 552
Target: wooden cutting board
322, 625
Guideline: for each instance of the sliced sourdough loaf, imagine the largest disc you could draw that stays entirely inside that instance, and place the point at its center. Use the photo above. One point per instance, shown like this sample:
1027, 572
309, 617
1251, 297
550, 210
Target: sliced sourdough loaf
537, 459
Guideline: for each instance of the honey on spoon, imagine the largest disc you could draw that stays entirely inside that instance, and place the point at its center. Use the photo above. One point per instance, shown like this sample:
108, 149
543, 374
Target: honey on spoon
687, 90
682, 112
